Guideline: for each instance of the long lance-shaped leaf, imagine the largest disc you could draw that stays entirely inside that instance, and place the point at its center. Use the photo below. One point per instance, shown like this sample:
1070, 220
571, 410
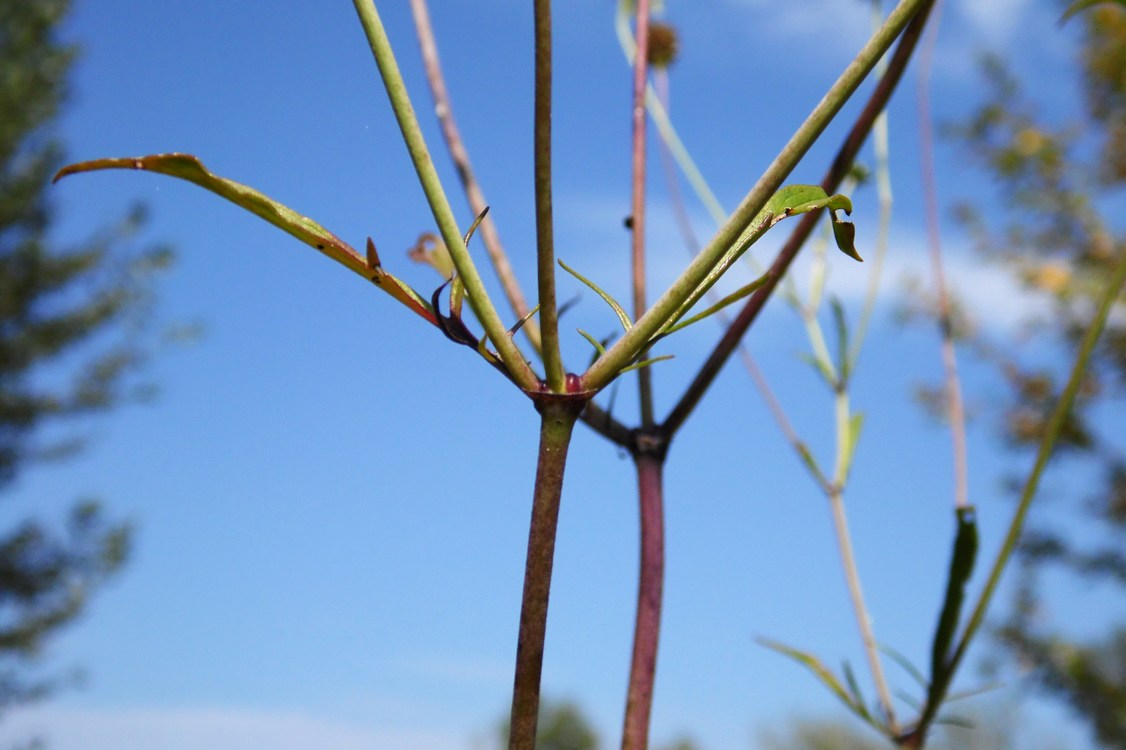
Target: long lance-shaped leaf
791, 200
728, 300
188, 167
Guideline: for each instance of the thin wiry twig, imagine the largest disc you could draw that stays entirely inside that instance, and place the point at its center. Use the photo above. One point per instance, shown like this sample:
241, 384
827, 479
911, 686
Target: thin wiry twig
955, 410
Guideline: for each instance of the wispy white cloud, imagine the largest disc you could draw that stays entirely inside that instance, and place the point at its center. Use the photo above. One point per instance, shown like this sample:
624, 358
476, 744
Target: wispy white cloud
990, 294
192, 728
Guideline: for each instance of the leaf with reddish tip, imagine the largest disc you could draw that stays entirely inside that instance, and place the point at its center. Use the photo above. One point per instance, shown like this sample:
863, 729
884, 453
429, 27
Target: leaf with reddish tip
188, 167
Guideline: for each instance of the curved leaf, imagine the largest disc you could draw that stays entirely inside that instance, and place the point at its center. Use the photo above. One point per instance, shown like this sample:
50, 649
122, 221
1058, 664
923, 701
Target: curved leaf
188, 167
623, 317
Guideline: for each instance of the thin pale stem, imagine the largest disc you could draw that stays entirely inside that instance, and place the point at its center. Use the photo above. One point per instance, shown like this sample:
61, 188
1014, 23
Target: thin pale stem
651, 575
637, 206
472, 188
848, 557
633, 342
545, 239
558, 416
836, 173
396, 89
856, 594
955, 410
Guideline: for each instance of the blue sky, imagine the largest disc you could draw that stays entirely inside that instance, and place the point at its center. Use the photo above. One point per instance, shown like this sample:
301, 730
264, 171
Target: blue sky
331, 501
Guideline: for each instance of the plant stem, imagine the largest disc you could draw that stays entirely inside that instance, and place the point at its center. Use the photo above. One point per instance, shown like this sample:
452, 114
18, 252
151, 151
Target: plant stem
545, 241
848, 558
1016, 525
637, 209
558, 415
833, 177
483, 307
955, 410
630, 345
651, 576
460, 156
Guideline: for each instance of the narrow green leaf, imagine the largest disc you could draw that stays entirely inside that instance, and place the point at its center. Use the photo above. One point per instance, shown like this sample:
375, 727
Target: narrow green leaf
854, 689
188, 167
905, 664
823, 368
618, 309
474, 225
819, 670
726, 301
598, 346
808, 459
790, 200
855, 425
1081, 5
646, 363
520, 323
961, 567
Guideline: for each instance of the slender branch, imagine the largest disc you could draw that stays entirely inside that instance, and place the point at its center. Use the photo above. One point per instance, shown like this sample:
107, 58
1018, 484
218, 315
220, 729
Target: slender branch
460, 156
629, 345
848, 560
1053, 429
836, 173
658, 111
545, 241
558, 416
637, 208
483, 307
955, 410
650, 585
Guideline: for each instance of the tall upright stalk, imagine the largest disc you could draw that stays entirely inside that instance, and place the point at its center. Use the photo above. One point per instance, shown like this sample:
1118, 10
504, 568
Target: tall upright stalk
558, 415
545, 237
649, 459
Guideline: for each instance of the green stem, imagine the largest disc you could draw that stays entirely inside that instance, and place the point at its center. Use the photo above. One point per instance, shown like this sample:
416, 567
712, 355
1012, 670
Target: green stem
632, 343
443, 109
1047, 445
483, 307
558, 415
545, 241
833, 177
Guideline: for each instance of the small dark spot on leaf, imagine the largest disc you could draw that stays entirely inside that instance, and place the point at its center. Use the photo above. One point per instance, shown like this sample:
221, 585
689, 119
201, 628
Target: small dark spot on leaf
320, 246
628, 222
